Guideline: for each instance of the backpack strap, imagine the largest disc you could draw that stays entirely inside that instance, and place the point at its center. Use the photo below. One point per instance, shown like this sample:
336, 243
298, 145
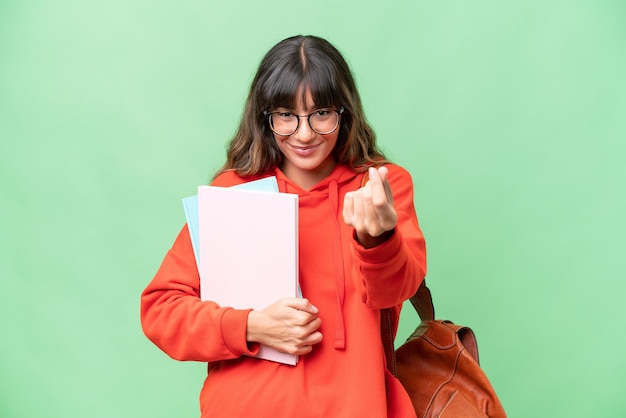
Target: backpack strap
422, 301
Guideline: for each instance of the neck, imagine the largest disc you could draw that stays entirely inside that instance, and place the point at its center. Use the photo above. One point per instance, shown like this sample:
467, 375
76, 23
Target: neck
306, 179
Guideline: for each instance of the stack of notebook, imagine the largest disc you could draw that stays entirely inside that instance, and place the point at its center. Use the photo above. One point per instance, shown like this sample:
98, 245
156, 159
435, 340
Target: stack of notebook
245, 240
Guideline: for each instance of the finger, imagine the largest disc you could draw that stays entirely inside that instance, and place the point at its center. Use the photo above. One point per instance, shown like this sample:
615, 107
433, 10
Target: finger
303, 331
313, 325
348, 208
306, 344
313, 338
384, 172
306, 349
379, 190
303, 304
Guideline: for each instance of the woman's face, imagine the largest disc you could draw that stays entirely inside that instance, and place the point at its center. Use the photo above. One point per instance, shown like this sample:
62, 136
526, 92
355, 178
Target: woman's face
307, 155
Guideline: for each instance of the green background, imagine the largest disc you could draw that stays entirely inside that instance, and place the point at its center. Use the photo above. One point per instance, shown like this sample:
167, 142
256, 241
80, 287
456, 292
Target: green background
510, 116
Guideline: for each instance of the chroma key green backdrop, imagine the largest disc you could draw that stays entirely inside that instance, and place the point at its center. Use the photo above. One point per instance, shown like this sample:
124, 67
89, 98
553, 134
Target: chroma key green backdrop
510, 116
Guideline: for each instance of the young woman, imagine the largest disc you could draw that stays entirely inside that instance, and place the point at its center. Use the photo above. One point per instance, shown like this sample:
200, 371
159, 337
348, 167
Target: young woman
360, 250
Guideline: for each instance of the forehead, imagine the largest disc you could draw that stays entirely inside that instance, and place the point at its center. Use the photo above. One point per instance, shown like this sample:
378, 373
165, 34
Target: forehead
301, 101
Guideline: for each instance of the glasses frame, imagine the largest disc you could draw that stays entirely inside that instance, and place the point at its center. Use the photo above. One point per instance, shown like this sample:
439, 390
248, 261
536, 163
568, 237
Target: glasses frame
308, 117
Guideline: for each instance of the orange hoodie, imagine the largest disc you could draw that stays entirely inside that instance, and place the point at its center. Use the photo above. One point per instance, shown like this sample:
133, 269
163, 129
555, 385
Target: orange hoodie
345, 375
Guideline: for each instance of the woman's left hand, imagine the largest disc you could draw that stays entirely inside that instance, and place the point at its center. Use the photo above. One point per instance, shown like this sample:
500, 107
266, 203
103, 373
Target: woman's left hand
370, 209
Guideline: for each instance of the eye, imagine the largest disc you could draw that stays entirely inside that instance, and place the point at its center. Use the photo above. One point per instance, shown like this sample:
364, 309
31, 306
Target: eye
322, 112
284, 115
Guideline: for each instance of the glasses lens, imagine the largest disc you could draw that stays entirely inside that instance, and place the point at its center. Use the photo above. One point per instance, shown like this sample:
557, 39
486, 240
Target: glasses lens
324, 121
283, 123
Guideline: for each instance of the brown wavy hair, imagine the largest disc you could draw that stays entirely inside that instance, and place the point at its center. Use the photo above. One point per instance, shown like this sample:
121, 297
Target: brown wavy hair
298, 64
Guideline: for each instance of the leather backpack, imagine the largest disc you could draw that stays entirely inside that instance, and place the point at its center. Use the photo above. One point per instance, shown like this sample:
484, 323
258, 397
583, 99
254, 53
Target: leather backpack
438, 366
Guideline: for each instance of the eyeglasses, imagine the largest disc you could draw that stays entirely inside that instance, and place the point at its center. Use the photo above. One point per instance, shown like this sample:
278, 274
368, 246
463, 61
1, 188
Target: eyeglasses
322, 121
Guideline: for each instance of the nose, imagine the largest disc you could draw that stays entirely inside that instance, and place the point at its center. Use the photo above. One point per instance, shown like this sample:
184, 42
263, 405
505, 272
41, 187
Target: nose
304, 133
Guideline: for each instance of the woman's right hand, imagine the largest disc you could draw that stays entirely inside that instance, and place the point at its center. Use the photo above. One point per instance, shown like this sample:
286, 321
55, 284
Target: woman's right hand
290, 325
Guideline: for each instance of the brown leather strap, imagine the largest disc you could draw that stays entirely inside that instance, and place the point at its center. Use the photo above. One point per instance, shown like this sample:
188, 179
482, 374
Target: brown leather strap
386, 332
422, 301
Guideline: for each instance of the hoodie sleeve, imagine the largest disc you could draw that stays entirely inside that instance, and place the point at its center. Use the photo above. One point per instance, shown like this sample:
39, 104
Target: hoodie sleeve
390, 273
174, 317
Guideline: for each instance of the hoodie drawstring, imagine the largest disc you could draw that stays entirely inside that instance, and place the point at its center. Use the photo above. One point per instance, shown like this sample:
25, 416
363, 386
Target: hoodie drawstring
340, 279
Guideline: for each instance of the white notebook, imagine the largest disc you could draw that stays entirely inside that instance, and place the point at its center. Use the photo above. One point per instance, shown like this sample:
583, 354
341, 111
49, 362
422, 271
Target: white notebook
248, 250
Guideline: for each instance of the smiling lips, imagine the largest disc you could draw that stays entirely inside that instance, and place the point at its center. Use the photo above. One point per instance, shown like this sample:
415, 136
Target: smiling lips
304, 150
